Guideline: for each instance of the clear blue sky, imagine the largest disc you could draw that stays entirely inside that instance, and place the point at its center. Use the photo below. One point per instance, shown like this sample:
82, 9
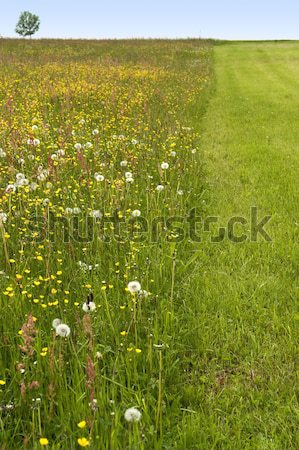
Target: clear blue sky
226, 19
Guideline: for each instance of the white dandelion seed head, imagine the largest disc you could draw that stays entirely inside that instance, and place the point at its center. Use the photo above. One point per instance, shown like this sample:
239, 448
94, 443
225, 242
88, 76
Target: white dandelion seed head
88, 307
54, 157
10, 188
128, 175
134, 286
130, 180
96, 214
68, 211
95, 132
99, 177
36, 142
20, 176
164, 166
193, 151
136, 213
2, 153
33, 186
78, 146
123, 163
60, 152
160, 188
76, 210
132, 415
55, 323
173, 153
34, 127
3, 217
143, 293
88, 145
63, 330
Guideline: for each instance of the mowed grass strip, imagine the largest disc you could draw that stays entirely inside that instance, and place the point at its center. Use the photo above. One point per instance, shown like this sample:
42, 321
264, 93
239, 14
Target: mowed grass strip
243, 297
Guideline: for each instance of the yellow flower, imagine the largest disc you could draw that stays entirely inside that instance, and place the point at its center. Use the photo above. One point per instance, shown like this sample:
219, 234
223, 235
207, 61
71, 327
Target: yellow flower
123, 333
2, 382
82, 424
43, 441
138, 350
83, 442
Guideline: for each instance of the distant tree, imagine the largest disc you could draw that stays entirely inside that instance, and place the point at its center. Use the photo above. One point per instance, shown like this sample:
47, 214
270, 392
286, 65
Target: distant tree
28, 24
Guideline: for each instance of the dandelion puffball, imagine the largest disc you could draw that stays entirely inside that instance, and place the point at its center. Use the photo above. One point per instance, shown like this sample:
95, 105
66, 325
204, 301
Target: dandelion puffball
132, 415
99, 177
63, 330
164, 166
88, 306
134, 286
136, 213
160, 188
55, 323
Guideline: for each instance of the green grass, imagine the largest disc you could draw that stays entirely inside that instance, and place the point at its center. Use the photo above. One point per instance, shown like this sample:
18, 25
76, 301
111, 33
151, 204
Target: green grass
225, 314
243, 298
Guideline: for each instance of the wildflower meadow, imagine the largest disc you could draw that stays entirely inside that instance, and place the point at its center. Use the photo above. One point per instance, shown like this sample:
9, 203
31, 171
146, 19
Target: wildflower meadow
99, 159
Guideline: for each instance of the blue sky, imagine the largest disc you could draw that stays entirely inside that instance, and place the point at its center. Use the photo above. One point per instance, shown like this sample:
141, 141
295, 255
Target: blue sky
224, 19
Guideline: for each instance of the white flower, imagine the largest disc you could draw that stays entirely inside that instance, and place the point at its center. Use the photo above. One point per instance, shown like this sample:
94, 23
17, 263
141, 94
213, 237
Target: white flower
88, 307
96, 214
42, 176
21, 161
33, 186
128, 175
76, 210
20, 176
134, 141
62, 330
173, 153
54, 157
134, 286
36, 142
88, 145
136, 213
55, 323
46, 201
10, 188
130, 180
34, 127
160, 187
31, 157
132, 415
82, 121
2, 153
143, 293
95, 132
68, 211
99, 177
3, 217
164, 166
180, 192
60, 152
123, 163
193, 151
78, 146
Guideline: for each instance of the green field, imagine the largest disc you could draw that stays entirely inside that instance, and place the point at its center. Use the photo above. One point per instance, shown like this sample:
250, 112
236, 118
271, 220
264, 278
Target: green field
107, 148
